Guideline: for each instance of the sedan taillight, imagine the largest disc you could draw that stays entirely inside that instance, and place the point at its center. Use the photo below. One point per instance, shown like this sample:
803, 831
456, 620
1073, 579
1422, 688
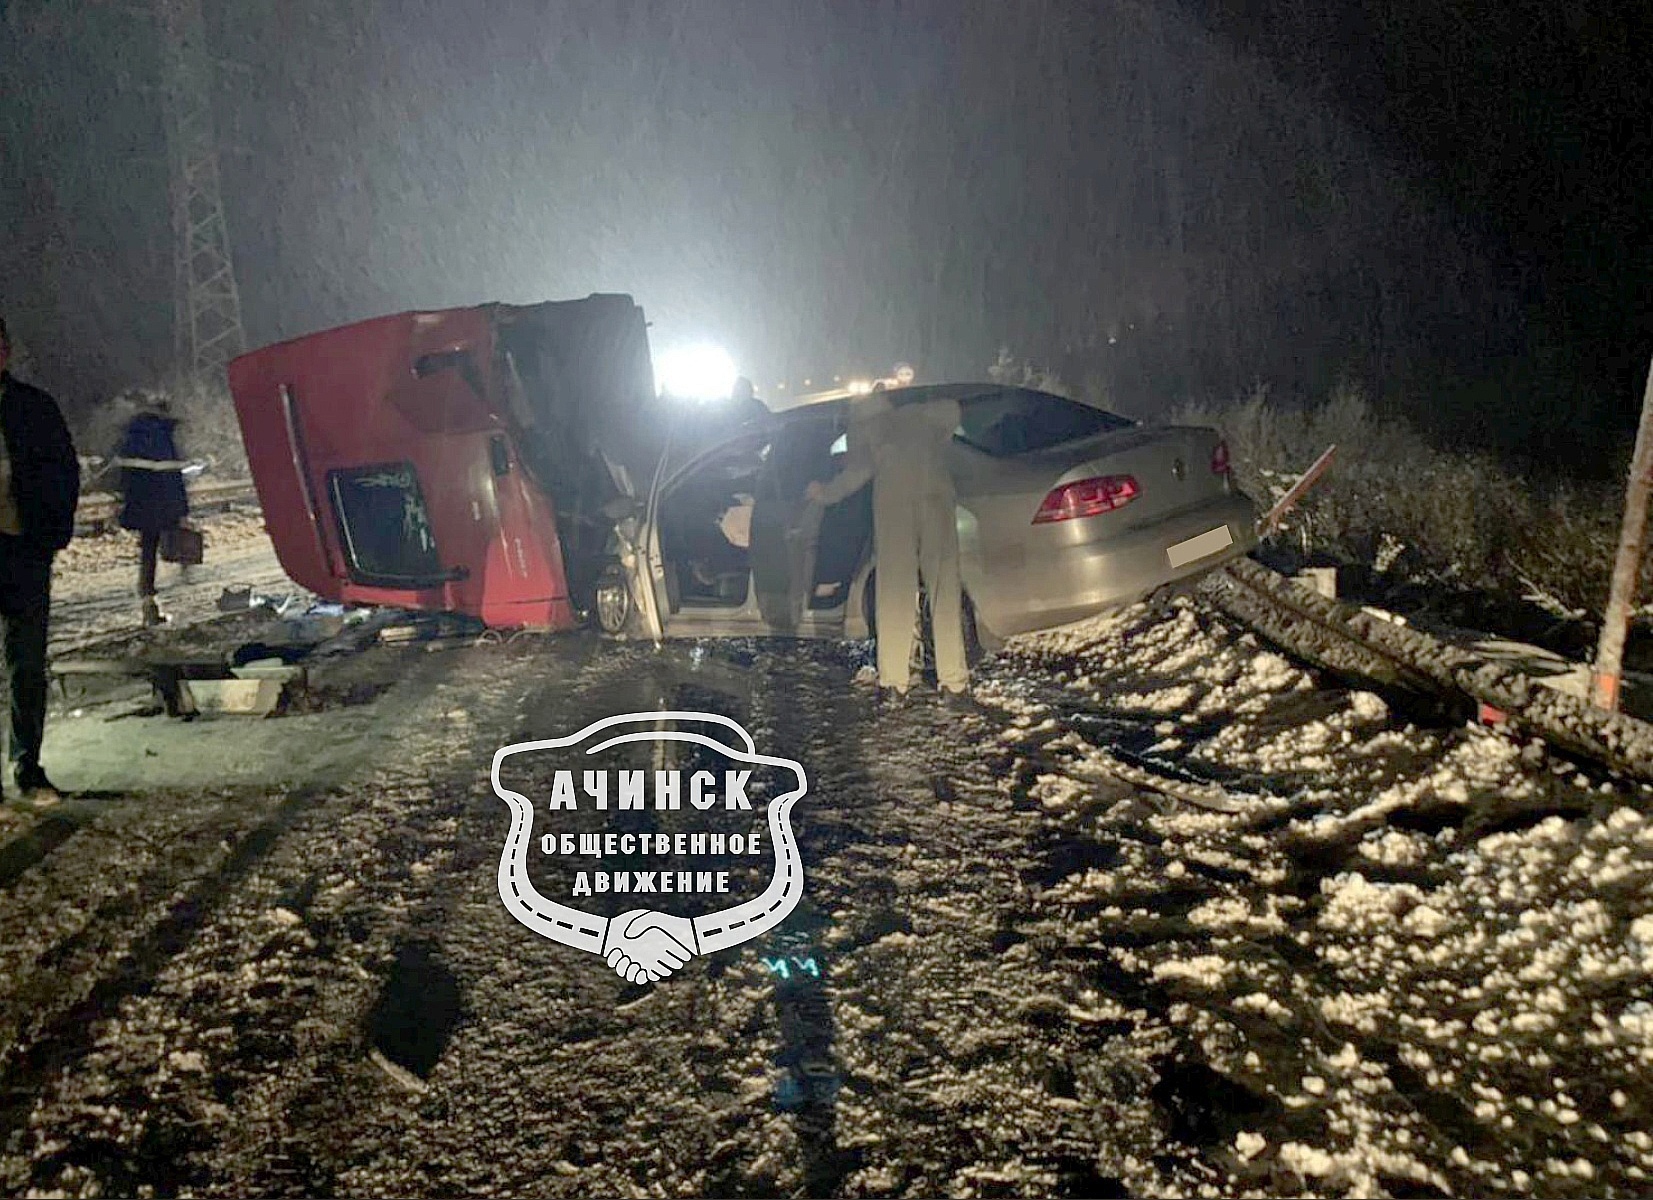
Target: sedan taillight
1219, 459
1087, 498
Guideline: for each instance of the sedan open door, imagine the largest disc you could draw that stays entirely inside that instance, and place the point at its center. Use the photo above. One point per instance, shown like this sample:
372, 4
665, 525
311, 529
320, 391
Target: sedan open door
729, 547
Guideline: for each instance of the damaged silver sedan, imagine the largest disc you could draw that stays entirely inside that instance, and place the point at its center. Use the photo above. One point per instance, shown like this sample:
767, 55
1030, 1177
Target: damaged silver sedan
1065, 510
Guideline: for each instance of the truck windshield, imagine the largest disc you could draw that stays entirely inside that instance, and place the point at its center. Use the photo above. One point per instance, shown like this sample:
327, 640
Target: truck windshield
385, 526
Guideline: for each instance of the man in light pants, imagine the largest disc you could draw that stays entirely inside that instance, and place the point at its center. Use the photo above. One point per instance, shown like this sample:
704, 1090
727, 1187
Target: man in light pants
902, 450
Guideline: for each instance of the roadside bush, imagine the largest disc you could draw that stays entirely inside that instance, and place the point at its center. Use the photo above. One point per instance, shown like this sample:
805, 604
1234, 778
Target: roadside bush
207, 427
1016, 372
1401, 506
1409, 510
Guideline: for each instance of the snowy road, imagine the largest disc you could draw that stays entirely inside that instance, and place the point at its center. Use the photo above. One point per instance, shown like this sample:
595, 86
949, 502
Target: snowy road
272, 958
94, 587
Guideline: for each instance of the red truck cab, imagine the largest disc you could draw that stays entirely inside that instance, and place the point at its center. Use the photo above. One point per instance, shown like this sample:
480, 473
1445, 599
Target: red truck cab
456, 461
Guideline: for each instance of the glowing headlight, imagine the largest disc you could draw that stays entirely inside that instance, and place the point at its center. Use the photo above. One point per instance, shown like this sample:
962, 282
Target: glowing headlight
701, 372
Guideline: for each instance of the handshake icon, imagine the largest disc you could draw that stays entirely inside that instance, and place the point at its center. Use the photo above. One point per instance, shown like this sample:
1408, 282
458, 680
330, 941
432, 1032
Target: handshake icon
645, 945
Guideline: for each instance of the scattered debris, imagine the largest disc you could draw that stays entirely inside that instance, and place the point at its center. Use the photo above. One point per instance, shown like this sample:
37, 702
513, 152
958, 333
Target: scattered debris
1382, 614
1318, 579
242, 598
399, 1075
245, 697
1324, 630
428, 627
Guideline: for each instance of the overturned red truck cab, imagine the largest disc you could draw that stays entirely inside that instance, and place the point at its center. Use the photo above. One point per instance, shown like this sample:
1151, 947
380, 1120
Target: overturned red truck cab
456, 461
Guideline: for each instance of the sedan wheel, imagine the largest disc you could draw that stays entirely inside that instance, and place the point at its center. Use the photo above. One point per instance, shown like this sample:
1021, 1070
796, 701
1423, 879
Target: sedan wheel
613, 601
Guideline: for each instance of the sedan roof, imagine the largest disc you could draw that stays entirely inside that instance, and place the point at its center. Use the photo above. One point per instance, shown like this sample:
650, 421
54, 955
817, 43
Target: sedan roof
911, 394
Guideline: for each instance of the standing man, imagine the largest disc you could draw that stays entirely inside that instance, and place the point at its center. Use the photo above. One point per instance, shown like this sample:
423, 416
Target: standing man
39, 489
902, 449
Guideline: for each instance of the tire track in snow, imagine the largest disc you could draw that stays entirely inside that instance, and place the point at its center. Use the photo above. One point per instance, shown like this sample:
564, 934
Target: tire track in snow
547, 1067
1423, 966
327, 1097
336, 1125
69, 1034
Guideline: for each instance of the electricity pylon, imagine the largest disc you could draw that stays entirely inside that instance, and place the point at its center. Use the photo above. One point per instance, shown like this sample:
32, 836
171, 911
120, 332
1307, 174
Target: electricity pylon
207, 304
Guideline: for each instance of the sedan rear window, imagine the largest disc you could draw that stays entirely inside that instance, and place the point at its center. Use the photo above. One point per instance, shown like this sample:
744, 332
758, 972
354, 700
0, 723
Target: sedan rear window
1015, 421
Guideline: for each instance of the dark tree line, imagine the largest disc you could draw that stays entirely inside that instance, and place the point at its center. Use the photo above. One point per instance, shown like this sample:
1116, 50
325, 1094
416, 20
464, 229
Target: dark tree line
1128, 191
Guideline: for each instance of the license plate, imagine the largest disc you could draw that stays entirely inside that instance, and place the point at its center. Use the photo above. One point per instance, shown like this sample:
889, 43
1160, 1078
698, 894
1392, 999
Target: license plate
1195, 548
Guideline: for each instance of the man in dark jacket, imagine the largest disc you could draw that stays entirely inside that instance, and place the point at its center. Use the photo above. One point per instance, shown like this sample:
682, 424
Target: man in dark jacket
39, 489
155, 501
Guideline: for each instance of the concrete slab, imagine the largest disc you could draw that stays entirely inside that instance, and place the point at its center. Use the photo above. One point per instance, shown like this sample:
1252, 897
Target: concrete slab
233, 697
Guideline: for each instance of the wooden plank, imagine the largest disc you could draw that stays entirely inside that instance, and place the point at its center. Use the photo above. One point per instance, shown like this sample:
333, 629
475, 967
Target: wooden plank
1621, 743
1296, 492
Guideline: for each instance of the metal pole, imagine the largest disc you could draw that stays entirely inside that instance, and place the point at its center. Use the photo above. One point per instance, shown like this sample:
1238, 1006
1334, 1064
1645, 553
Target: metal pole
1289, 501
207, 300
1604, 681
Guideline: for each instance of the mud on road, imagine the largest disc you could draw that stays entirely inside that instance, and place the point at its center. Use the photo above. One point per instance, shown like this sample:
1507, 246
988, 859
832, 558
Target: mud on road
1412, 965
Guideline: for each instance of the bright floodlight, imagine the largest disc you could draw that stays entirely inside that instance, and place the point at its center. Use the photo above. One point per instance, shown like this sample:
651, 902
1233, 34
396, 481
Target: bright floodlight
701, 372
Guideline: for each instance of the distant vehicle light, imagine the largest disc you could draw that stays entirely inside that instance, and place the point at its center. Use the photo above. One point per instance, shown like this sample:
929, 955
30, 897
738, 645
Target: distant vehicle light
697, 372
859, 387
1087, 498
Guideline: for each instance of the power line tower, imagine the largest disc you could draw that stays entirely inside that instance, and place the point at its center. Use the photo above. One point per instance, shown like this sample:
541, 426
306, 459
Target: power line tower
207, 304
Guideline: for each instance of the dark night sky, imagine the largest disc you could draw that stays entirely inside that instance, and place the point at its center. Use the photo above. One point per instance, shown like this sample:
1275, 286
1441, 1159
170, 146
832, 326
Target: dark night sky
1532, 119
1444, 202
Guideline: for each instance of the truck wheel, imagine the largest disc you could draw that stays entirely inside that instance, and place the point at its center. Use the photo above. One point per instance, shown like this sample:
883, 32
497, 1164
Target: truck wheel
614, 605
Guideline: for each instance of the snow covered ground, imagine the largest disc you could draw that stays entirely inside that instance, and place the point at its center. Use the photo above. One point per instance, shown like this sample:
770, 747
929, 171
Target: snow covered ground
1415, 961
1424, 957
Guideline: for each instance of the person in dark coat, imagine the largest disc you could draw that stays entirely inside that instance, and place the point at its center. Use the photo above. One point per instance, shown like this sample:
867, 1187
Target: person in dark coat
154, 501
39, 490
